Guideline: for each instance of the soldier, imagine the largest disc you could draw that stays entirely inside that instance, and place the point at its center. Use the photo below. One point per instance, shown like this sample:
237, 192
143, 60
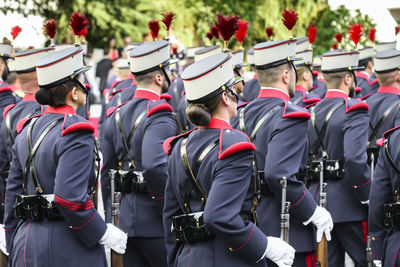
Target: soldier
217, 191
278, 129
363, 77
6, 93
252, 87
133, 137
338, 133
319, 86
237, 63
52, 171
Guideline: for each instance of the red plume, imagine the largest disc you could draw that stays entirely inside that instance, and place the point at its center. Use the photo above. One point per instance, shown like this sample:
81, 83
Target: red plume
241, 33
355, 33
50, 28
227, 26
397, 29
154, 28
269, 31
15, 31
174, 49
289, 18
214, 31
167, 19
83, 32
335, 46
209, 35
371, 34
338, 37
312, 33
77, 22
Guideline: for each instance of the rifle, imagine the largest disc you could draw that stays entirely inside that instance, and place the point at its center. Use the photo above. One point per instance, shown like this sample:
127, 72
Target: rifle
372, 164
322, 247
116, 259
285, 217
3, 259
368, 250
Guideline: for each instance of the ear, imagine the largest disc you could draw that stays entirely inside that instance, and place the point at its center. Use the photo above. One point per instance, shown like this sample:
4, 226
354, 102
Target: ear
158, 79
369, 65
74, 94
225, 98
347, 79
285, 76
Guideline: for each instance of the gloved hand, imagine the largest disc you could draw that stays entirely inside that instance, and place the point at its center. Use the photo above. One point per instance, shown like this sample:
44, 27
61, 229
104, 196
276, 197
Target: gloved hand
114, 238
279, 252
3, 240
323, 221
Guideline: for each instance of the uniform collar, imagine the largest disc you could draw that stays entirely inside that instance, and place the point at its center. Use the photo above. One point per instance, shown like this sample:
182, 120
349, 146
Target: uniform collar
146, 94
217, 124
65, 110
336, 93
266, 92
300, 88
389, 90
29, 97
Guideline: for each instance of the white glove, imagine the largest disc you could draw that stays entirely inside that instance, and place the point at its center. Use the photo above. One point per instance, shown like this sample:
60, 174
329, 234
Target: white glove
323, 221
114, 239
366, 202
3, 240
279, 252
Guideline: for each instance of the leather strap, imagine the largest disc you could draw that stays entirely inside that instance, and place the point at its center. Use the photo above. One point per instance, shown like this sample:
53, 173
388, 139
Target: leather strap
374, 129
8, 123
396, 168
263, 120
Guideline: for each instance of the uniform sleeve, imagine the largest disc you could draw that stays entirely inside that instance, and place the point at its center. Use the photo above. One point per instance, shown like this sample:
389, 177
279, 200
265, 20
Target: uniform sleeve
355, 139
154, 159
381, 193
75, 167
4, 164
225, 199
284, 158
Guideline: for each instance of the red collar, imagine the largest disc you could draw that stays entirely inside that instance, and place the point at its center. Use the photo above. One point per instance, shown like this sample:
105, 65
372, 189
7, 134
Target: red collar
336, 94
272, 92
217, 124
29, 97
61, 110
389, 90
146, 94
300, 88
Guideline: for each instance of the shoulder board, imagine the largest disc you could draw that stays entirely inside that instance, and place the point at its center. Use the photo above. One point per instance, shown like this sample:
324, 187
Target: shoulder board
386, 135
358, 89
232, 141
315, 86
355, 104
22, 123
366, 96
76, 123
321, 79
171, 141
114, 92
166, 96
7, 109
5, 89
311, 98
242, 105
311, 105
115, 83
112, 109
362, 75
106, 92
183, 93
374, 81
293, 111
154, 107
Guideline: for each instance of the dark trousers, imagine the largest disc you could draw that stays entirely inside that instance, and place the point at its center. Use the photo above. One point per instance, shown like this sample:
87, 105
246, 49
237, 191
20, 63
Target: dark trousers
145, 252
305, 259
348, 237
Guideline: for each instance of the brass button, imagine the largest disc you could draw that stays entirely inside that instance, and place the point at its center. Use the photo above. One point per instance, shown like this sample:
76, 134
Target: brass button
153, 197
230, 249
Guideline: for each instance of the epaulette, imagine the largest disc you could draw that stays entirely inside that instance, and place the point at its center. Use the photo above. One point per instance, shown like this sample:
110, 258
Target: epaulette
22, 123
355, 104
75, 123
115, 83
154, 107
374, 82
5, 89
7, 109
112, 109
233, 141
309, 98
106, 91
358, 89
114, 92
183, 93
293, 111
388, 133
166, 96
242, 105
362, 75
366, 96
171, 141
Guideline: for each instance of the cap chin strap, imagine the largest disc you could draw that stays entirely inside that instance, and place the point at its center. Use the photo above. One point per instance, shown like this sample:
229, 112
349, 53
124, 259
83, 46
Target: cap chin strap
83, 87
294, 68
166, 76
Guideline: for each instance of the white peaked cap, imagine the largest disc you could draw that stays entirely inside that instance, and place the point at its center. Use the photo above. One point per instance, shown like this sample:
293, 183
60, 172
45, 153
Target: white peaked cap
5, 50
385, 46
366, 52
25, 61
302, 44
337, 61
237, 58
190, 51
274, 53
250, 56
305, 58
149, 56
206, 52
387, 61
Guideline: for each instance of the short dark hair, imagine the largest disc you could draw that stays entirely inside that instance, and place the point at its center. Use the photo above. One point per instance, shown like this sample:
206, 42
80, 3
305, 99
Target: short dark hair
268, 77
334, 80
147, 78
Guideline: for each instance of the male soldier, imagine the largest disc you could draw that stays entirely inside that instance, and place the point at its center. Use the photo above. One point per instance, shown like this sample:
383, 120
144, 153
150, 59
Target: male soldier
133, 136
6, 93
338, 132
278, 129
319, 86
237, 64
363, 77
26, 108
252, 87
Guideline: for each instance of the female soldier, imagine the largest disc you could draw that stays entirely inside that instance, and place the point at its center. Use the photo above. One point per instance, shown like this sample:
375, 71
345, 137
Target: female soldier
50, 219
6, 93
208, 212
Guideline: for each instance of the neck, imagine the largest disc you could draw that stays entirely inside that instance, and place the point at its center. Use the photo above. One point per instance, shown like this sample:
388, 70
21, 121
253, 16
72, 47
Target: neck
152, 87
30, 87
304, 85
369, 71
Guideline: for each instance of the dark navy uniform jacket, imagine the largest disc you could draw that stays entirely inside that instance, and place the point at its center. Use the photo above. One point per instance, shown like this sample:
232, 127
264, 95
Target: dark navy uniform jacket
6, 98
181, 116
226, 177
281, 151
385, 240
303, 98
319, 86
345, 140
176, 91
386, 99
251, 89
369, 84
64, 163
141, 213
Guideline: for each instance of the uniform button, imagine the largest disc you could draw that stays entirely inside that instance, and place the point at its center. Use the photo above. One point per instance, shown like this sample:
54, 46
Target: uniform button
153, 197
70, 227
228, 131
70, 115
230, 249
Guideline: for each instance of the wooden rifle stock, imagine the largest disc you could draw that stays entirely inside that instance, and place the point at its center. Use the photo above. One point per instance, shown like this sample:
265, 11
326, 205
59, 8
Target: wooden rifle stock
3, 259
116, 259
322, 252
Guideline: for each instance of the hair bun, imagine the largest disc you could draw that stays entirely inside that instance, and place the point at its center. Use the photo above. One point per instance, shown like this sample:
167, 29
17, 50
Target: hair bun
43, 96
198, 114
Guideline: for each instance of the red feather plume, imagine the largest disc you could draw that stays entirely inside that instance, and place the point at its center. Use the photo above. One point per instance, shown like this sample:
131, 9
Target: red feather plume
269, 31
214, 31
209, 35
174, 49
397, 29
227, 26
167, 19
154, 26
78, 22
312, 33
50, 28
338, 37
355, 33
15, 31
289, 18
241, 32
335, 46
83, 32
371, 34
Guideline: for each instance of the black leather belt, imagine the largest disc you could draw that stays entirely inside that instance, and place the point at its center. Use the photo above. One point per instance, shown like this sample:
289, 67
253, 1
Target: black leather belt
36, 208
129, 181
333, 170
392, 215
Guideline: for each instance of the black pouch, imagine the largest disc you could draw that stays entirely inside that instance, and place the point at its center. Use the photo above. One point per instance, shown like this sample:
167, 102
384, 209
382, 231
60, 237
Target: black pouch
264, 189
391, 213
333, 169
36, 208
189, 228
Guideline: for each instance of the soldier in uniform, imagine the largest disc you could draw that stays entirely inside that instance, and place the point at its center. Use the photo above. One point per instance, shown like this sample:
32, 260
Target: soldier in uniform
6, 93
338, 133
50, 219
319, 86
278, 129
208, 214
133, 137
363, 77
237, 64
26, 73
252, 87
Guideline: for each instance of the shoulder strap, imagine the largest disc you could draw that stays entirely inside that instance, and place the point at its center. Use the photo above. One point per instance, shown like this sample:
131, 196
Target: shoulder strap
321, 133
8, 123
374, 129
298, 100
263, 120
241, 120
394, 165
